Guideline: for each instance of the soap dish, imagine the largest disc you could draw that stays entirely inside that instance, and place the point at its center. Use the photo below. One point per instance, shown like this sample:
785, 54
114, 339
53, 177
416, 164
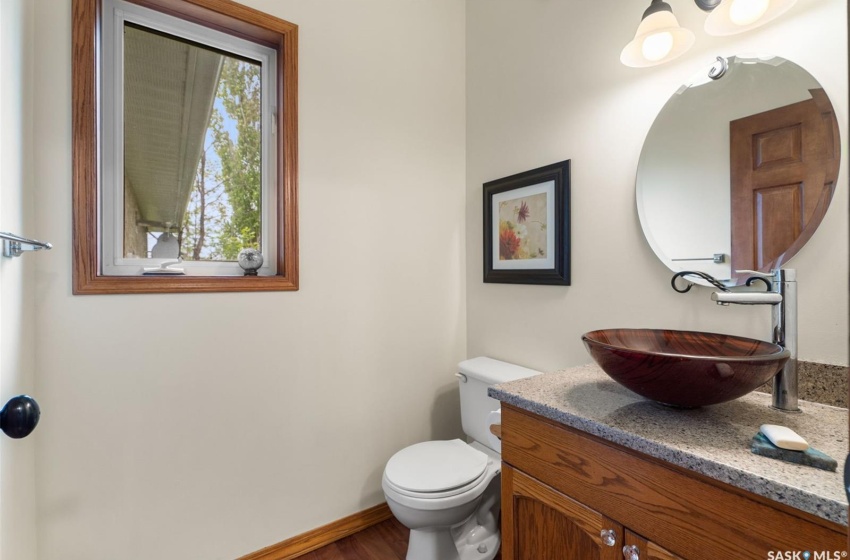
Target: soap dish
811, 457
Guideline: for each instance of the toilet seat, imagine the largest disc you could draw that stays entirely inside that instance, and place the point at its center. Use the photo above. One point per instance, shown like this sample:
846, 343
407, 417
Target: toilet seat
465, 472
436, 469
435, 495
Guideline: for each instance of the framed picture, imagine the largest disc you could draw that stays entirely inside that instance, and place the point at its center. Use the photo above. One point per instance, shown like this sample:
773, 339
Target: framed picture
527, 227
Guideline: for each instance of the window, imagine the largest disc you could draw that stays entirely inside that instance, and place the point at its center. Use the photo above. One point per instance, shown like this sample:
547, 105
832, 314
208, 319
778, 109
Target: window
195, 132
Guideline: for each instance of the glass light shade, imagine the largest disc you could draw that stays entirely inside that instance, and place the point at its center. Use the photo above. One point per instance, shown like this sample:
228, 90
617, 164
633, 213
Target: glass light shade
658, 39
737, 16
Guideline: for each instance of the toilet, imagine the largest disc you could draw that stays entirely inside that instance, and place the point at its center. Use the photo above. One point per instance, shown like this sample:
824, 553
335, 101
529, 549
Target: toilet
448, 492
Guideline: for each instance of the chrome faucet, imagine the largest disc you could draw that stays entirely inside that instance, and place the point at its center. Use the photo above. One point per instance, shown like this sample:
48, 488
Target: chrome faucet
782, 295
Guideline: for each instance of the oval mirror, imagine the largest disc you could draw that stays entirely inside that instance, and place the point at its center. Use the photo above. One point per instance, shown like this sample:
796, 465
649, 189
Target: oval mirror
738, 170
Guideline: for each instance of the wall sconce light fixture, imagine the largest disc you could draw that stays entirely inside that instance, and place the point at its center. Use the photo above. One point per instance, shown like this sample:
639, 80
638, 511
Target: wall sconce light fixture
660, 39
736, 16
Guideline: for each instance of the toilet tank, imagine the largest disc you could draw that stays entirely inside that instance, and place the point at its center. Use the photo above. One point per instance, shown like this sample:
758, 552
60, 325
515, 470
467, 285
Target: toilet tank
477, 375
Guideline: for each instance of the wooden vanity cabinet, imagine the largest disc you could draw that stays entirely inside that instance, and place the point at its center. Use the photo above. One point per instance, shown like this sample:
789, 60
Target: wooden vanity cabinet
568, 495
548, 525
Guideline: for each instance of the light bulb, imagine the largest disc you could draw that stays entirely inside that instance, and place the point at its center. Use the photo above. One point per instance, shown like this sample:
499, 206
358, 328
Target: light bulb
657, 46
745, 12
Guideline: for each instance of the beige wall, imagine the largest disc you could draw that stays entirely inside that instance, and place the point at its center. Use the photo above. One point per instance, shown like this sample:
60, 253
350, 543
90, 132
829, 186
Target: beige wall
17, 457
249, 418
544, 83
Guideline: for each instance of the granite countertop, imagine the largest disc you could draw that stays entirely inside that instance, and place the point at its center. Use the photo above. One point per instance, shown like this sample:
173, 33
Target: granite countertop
713, 440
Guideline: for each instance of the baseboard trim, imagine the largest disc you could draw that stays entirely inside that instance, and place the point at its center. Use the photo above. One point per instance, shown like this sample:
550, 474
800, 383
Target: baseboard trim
300, 545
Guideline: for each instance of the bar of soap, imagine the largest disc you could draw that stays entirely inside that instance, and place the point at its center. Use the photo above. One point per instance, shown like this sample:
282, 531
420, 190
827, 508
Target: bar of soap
784, 437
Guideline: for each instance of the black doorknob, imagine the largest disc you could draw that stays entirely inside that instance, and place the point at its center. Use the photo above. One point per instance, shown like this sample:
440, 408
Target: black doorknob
19, 416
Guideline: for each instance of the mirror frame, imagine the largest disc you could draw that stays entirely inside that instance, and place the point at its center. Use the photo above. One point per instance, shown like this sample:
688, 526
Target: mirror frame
222, 15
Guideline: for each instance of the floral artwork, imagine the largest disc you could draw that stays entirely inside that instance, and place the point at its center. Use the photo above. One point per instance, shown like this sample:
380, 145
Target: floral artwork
527, 227
522, 228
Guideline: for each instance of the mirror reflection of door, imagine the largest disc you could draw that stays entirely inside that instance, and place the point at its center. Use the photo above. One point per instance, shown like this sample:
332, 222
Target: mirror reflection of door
784, 164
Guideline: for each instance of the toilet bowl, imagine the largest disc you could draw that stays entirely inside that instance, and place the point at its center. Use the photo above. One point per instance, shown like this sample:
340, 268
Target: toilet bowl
448, 492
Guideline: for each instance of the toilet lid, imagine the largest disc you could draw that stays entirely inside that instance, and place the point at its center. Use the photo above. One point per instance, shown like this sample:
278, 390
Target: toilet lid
435, 466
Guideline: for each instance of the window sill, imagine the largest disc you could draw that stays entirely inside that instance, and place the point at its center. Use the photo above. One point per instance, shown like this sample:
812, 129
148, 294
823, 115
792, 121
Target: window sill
182, 284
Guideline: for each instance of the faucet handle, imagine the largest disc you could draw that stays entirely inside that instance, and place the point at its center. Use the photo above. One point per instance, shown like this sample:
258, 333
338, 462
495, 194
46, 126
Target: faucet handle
755, 275
780, 274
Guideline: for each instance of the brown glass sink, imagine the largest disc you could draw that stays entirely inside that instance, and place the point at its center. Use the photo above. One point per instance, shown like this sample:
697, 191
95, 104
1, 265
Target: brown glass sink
683, 368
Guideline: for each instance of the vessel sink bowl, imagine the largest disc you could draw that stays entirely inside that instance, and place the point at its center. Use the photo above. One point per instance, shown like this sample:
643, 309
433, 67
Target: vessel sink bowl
683, 368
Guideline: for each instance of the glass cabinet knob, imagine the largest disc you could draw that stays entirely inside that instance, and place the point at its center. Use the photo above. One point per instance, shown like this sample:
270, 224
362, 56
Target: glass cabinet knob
608, 537
631, 552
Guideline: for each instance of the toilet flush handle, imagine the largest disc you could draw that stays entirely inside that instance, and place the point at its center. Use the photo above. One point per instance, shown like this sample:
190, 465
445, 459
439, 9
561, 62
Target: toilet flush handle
461, 376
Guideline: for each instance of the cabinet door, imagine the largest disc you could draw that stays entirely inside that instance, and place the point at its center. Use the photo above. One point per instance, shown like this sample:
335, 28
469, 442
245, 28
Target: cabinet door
646, 550
540, 523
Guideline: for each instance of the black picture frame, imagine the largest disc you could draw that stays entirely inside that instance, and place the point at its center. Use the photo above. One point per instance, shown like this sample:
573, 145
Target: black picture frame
548, 262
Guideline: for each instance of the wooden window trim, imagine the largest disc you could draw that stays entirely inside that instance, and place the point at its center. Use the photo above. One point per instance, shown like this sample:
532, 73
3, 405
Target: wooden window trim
223, 15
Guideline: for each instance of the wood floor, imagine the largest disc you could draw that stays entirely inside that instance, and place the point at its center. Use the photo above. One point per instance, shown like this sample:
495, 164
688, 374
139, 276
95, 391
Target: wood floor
385, 541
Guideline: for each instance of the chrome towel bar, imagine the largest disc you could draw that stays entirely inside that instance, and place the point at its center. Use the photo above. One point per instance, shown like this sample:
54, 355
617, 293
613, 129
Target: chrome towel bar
716, 257
15, 245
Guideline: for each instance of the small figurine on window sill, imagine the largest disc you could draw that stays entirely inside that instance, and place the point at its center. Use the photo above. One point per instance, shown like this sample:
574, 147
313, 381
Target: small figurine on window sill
250, 260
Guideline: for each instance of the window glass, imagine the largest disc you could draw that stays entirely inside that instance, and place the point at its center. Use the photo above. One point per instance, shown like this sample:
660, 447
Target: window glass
188, 128
192, 149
